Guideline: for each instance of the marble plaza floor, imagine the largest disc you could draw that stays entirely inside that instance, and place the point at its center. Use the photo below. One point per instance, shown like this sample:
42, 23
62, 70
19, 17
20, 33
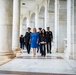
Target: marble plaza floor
52, 64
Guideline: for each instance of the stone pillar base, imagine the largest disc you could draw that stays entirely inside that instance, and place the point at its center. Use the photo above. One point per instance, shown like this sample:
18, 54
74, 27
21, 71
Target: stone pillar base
74, 57
68, 55
7, 55
17, 51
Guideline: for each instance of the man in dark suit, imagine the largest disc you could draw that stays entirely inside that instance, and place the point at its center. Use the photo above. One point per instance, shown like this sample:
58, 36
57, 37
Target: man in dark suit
39, 33
49, 39
27, 39
21, 42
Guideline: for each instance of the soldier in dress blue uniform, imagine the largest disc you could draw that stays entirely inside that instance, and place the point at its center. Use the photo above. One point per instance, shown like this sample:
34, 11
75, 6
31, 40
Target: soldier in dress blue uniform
49, 39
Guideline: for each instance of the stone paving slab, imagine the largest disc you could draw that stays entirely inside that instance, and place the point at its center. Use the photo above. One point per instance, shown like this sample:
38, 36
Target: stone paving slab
7, 58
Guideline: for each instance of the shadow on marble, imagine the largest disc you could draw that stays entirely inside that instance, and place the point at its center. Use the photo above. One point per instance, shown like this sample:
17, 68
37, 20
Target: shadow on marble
30, 73
39, 57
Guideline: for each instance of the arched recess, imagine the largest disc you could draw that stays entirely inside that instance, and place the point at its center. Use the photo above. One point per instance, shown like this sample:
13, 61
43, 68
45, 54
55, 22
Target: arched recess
24, 26
32, 21
42, 17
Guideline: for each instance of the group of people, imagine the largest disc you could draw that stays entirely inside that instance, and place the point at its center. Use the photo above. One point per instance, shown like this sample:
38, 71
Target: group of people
40, 40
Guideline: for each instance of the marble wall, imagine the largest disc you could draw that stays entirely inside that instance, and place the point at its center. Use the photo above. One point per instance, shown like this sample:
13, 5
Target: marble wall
41, 17
32, 21
62, 30
24, 26
51, 16
51, 19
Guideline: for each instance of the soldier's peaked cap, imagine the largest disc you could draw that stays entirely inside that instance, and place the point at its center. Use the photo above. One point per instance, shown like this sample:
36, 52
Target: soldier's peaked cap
39, 28
48, 27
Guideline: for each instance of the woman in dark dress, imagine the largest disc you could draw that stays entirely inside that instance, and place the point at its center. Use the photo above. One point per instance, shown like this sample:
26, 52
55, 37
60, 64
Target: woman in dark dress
42, 42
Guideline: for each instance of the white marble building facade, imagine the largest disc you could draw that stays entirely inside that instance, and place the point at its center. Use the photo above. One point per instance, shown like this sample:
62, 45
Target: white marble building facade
59, 15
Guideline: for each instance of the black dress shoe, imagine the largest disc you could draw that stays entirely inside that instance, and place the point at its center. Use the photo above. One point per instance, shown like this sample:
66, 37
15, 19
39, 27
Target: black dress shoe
41, 55
44, 55
50, 52
47, 51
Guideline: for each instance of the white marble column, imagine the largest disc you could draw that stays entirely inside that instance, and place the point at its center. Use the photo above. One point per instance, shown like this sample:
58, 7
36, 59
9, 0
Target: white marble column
6, 7
21, 22
37, 17
16, 24
56, 23
28, 20
45, 19
70, 29
74, 8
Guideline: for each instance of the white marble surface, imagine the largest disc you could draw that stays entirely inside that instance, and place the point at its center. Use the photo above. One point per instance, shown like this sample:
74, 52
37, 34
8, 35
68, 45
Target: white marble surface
16, 24
6, 26
41, 65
